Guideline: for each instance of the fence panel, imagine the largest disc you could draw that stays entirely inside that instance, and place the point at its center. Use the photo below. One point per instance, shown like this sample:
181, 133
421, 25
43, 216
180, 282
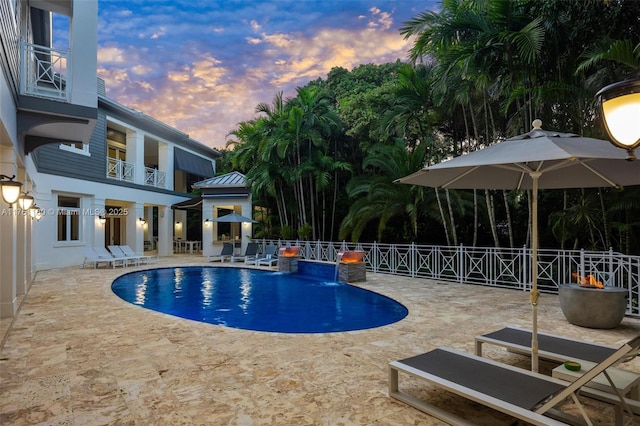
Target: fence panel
489, 266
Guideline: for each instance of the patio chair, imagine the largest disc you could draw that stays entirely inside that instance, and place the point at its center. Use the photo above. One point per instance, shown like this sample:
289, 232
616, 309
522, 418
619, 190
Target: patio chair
227, 252
520, 393
550, 346
116, 251
269, 258
128, 252
103, 253
90, 256
250, 253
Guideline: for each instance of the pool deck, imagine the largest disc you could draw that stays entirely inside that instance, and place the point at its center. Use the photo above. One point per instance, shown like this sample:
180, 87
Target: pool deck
78, 355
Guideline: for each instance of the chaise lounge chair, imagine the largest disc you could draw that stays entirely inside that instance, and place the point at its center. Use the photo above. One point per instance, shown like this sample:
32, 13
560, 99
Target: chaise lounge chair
227, 251
550, 346
250, 253
523, 394
103, 253
128, 252
90, 256
117, 252
269, 257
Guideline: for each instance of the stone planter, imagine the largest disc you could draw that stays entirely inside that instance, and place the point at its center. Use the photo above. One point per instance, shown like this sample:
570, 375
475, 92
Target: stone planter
593, 307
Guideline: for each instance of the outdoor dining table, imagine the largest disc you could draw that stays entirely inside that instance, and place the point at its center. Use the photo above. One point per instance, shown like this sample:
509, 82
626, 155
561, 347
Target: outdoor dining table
188, 246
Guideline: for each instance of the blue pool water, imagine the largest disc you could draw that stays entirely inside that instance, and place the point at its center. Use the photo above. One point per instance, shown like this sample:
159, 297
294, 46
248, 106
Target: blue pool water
258, 300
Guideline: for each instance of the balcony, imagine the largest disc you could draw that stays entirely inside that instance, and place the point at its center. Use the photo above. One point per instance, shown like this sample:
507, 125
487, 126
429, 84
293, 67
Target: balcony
120, 170
44, 72
154, 177
123, 171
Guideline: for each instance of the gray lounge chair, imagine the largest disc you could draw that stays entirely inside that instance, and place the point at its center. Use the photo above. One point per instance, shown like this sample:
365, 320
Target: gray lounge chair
550, 346
269, 257
523, 394
250, 253
227, 252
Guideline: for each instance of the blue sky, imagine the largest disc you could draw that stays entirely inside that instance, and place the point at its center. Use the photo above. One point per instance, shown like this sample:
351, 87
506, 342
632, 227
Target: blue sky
202, 66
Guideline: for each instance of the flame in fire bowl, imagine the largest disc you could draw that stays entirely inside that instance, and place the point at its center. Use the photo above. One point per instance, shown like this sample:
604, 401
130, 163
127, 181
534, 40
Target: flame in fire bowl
289, 251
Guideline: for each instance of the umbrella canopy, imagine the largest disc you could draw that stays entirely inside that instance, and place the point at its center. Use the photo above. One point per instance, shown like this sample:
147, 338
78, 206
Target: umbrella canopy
538, 159
233, 218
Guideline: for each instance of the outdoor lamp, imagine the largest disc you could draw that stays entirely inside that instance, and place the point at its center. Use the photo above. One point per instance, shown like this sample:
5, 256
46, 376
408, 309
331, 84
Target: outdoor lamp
142, 220
102, 220
35, 212
10, 189
25, 201
620, 103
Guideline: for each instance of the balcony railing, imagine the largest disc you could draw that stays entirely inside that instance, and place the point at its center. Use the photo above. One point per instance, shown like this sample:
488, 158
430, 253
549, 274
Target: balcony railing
44, 71
154, 177
120, 170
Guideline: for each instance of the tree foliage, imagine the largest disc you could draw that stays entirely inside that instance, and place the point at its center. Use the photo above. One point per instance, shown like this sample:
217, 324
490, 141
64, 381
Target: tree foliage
324, 161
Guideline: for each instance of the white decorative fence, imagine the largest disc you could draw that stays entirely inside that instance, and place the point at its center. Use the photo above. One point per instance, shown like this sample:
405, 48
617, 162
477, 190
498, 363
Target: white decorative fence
489, 266
44, 71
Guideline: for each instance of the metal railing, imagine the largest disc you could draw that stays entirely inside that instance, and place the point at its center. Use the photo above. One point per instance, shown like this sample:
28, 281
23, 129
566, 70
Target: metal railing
44, 71
120, 170
488, 266
154, 177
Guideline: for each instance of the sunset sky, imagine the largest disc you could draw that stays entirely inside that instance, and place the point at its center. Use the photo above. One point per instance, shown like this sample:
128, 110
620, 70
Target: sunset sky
203, 66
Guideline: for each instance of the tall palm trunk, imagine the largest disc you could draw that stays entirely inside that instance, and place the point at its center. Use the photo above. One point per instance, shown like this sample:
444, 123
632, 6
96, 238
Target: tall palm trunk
491, 212
605, 224
451, 218
475, 217
443, 217
508, 211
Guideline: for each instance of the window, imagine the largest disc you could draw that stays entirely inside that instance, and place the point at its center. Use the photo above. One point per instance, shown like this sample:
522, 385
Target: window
68, 218
78, 148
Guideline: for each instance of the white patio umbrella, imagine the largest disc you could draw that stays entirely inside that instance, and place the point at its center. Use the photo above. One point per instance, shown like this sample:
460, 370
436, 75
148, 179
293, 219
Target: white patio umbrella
538, 159
234, 218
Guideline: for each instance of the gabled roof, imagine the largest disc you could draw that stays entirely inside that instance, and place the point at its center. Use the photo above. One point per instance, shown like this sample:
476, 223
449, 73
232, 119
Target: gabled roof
229, 180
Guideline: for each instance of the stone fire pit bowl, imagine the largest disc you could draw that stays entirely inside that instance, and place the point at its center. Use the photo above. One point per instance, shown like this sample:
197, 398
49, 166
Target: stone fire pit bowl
593, 307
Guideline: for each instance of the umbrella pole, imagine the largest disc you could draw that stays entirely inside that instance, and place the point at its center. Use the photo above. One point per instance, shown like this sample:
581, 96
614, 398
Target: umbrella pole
534, 271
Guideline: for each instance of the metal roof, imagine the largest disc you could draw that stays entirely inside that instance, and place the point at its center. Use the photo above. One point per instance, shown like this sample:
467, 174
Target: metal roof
233, 179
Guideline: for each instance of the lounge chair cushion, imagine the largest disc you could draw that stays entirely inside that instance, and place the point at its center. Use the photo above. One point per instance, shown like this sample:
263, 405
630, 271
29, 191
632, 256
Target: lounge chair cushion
500, 383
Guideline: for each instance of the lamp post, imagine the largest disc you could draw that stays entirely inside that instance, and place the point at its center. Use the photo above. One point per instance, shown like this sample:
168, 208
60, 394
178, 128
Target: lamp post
620, 103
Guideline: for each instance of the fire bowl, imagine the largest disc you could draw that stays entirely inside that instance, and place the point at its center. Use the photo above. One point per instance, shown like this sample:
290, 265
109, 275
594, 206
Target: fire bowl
289, 251
351, 256
593, 307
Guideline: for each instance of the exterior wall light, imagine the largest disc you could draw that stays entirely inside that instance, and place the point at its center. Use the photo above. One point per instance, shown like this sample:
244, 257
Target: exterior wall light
142, 220
25, 201
102, 220
620, 103
207, 223
35, 212
10, 188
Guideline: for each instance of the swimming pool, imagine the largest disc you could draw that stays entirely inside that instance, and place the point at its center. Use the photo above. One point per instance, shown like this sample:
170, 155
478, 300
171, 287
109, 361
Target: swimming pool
258, 300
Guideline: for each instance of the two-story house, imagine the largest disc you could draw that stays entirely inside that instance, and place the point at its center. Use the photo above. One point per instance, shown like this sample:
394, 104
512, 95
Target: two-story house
96, 172
116, 189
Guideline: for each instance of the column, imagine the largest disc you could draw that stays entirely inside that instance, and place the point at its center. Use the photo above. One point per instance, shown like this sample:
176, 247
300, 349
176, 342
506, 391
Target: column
8, 237
207, 228
83, 39
165, 163
98, 208
135, 229
135, 154
165, 231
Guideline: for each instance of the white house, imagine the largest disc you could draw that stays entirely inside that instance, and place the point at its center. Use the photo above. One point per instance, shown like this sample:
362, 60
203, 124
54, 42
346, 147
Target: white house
100, 173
